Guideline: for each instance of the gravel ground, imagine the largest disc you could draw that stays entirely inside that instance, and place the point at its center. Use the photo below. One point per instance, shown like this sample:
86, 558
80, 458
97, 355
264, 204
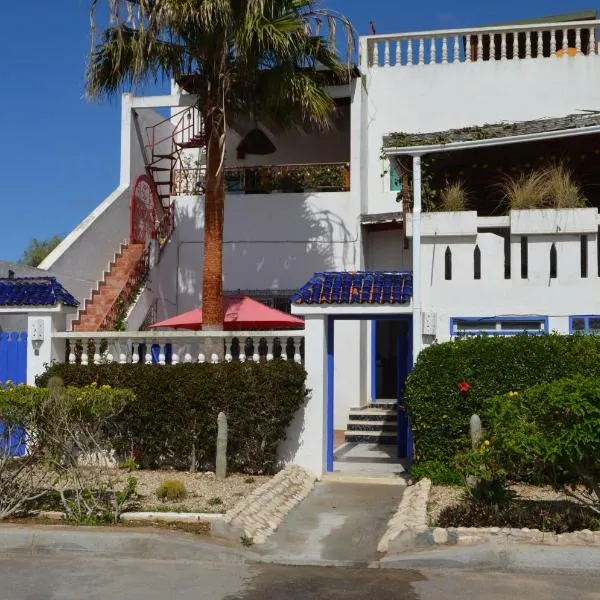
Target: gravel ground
442, 497
203, 490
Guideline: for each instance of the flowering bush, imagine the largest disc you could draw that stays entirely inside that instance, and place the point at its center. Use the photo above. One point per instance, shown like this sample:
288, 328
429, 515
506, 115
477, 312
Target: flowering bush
492, 366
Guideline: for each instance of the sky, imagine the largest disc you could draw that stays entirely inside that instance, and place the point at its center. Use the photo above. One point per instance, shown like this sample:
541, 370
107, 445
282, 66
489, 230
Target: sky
59, 153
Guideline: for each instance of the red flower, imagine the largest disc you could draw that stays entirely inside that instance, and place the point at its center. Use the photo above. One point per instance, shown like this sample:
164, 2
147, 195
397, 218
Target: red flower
463, 387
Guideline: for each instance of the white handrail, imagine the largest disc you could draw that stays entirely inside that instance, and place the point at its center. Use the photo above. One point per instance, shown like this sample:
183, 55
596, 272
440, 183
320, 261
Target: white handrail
496, 29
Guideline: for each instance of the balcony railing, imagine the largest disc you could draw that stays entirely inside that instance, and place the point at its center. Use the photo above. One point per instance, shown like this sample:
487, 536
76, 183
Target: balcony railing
516, 42
174, 347
322, 177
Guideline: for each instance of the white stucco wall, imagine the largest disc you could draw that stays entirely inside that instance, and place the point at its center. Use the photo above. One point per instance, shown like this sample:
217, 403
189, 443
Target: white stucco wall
438, 97
80, 260
271, 242
557, 298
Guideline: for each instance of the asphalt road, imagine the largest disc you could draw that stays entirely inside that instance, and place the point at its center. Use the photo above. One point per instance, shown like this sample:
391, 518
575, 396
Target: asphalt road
66, 578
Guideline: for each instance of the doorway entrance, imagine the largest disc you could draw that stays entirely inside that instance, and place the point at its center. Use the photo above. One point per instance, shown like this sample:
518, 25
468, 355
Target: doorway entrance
387, 437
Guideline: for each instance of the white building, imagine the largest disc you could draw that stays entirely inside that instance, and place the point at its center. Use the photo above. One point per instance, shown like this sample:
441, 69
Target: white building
352, 199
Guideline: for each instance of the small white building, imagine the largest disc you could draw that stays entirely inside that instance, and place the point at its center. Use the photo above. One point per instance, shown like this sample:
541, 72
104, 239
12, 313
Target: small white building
415, 113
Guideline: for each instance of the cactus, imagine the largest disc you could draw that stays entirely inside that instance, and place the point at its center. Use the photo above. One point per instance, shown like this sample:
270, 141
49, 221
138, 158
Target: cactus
221, 461
475, 430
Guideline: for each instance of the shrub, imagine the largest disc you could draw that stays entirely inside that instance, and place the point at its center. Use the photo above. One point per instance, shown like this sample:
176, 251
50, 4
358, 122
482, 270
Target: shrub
171, 490
57, 426
489, 366
439, 473
173, 418
552, 429
559, 517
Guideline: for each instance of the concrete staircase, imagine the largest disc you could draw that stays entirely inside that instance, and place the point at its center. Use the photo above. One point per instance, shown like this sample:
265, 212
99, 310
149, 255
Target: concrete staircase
103, 298
374, 424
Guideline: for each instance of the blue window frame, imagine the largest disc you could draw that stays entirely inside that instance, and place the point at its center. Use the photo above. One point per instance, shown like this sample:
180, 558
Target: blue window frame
467, 326
587, 324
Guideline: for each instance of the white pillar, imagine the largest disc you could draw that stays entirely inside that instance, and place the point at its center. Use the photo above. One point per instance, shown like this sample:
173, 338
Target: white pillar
416, 258
126, 108
42, 347
306, 443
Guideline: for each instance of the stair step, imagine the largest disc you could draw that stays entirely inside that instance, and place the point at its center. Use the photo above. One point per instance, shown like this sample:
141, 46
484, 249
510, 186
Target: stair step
375, 426
372, 414
370, 437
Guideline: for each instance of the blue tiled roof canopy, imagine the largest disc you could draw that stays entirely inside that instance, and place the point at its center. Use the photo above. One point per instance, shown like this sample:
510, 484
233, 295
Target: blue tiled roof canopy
34, 291
360, 287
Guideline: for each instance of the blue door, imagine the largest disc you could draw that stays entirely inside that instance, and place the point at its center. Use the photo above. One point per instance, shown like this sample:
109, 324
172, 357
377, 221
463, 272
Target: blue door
392, 354
13, 368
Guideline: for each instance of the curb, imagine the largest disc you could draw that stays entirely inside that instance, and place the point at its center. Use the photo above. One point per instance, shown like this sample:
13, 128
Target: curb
94, 541
518, 558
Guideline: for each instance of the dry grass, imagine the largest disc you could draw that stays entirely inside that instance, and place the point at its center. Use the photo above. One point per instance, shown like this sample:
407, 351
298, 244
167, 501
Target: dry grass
550, 187
561, 189
525, 191
453, 198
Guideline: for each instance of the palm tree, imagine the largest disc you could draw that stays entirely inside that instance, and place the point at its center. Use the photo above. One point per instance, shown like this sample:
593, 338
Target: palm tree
240, 57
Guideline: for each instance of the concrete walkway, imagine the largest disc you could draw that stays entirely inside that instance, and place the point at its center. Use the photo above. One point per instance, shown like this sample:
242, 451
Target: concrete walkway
339, 522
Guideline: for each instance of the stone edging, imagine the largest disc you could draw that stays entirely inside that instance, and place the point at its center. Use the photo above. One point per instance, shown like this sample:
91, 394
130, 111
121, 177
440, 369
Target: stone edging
259, 515
410, 516
408, 529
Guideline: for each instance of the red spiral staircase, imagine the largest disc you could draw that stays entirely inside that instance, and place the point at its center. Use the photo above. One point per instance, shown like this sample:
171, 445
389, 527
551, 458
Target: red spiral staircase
151, 221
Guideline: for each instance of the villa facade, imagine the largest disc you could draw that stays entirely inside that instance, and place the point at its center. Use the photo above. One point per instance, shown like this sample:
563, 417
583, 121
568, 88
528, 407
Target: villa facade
419, 110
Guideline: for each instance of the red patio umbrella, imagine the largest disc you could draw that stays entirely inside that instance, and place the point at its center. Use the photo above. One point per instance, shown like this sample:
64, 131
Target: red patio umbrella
240, 314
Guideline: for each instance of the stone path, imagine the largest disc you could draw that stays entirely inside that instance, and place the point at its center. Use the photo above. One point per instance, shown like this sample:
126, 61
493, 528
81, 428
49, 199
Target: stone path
338, 521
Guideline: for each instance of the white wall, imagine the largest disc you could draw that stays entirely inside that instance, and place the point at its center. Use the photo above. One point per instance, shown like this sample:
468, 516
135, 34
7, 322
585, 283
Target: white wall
557, 298
272, 242
438, 97
80, 260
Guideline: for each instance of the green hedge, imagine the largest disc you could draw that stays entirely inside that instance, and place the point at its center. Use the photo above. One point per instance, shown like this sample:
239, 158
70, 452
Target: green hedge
491, 366
174, 415
551, 430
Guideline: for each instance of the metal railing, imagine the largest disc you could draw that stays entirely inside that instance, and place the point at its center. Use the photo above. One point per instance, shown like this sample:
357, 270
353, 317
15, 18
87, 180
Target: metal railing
289, 178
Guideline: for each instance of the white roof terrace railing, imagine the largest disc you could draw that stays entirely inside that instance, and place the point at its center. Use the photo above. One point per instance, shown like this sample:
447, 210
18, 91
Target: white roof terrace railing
510, 42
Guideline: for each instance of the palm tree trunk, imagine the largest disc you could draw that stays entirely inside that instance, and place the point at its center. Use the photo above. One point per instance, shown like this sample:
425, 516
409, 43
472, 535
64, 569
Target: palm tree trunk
214, 204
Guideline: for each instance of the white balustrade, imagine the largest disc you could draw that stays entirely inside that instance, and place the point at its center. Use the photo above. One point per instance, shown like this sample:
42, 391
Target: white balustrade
482, 44
164, 348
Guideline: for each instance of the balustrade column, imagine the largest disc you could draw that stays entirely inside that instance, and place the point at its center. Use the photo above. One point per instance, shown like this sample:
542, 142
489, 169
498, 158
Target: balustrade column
84, 352
398, 56
444, 50
456, 54
409, 53
565, 43
432, 52
96, 351
375, 53
503, 55
540, 44
386, 53
479, 47
468, 49
553, 43
421, 59
578, 42
528, 44
297, 345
